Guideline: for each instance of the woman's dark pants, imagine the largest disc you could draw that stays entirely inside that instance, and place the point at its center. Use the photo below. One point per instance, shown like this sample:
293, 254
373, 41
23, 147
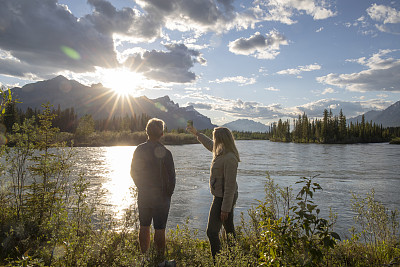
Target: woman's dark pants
215, 224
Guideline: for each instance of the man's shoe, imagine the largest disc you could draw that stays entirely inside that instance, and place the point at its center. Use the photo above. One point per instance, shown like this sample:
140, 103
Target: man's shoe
171, 263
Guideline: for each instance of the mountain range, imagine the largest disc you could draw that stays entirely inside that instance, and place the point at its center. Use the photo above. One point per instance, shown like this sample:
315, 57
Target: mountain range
245, 125
102, 102
390, 117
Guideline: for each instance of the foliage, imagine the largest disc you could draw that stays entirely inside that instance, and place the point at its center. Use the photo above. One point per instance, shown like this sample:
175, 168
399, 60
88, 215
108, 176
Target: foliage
85, 128
300, 237
6, 98
331, 129
376, 223
395, 141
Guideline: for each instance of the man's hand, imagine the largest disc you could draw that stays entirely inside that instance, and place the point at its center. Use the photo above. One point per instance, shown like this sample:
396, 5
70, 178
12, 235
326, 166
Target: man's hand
224, 215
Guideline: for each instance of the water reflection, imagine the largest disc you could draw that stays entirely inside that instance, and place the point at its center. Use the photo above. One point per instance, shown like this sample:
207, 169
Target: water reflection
342, 169
118, 183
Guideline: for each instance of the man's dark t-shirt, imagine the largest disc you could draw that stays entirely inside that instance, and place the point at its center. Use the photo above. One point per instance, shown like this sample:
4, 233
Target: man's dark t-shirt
148, 173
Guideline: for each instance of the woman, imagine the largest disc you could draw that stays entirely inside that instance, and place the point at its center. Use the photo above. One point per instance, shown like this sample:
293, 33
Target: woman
223, 185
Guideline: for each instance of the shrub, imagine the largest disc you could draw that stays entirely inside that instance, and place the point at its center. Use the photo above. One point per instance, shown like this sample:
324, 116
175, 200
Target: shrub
300, 237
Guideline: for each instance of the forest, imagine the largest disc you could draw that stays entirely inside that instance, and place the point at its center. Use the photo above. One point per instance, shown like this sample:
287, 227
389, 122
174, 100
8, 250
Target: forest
129, 130
331, 130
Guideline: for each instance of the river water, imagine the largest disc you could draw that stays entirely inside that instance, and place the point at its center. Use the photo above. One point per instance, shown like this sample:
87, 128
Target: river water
341, 170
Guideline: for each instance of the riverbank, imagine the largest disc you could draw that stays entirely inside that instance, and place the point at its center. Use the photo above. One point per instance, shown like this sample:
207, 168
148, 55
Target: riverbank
123, 138
395, 141
268, 238
128, 138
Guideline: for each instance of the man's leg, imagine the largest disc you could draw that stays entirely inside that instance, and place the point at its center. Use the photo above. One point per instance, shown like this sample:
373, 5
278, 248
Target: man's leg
159, 241
160, 217
144, 238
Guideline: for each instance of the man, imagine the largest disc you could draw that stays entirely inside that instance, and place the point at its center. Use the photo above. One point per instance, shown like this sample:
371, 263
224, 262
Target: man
153, 172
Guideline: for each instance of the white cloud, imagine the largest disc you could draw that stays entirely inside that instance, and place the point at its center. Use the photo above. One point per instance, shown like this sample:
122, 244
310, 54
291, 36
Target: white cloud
300, 69
328, 91
383, 74
320, 29
258, 45
349, 108
384, 14
273, 89
273, 112
256, 110
387, 18
237, 79
284, 10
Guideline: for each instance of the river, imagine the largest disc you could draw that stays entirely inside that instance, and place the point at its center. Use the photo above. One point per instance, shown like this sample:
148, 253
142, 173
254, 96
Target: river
341, 170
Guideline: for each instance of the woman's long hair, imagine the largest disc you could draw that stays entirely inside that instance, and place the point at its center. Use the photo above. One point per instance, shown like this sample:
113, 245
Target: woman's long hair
224, 142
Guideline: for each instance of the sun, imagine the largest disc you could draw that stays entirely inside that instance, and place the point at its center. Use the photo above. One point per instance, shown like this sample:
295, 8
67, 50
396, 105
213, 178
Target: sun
123, 81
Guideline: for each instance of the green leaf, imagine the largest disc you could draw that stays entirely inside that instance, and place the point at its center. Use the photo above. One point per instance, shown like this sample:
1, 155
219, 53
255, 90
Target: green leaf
335, 235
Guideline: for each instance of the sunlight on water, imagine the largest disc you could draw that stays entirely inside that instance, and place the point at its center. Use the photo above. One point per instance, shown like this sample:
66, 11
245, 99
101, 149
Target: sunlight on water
118, 160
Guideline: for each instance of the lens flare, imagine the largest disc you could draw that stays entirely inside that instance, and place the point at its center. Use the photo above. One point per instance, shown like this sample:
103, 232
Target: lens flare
70, 52
161, 107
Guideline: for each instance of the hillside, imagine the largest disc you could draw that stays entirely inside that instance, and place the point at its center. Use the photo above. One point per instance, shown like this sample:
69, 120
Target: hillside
389, 117
245, 125
102, 102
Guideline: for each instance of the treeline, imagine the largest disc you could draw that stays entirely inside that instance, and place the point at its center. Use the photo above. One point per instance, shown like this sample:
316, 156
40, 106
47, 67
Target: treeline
85, 131
331, 129
241, 135
67, 120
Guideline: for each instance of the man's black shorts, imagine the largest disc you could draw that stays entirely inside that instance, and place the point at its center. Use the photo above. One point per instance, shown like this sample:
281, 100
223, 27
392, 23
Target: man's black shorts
153, 206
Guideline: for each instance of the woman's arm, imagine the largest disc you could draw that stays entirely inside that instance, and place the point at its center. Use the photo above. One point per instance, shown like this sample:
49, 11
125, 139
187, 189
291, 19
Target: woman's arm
230, 172
207, 142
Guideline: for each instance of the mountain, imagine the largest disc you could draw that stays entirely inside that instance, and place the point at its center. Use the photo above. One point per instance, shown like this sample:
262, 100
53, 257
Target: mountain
102, 102
245, 125
389, 117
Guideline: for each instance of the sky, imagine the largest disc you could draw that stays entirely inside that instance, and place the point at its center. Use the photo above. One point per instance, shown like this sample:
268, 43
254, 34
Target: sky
261, 60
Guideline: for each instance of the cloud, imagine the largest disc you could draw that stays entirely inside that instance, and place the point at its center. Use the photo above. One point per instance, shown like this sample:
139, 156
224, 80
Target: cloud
384, 14
328, 91
202, 15
237, 79
171, 66
238, 108
300, 69
284, 10
43, 37
39, 39
349, 108
273, 112
259, 46
273, 89
127, 22
382, 74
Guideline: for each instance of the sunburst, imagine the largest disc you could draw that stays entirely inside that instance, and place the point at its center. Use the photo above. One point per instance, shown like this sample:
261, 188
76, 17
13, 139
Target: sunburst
123, 81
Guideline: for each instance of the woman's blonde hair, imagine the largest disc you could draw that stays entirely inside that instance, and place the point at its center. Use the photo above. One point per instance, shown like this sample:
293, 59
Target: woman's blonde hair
224, 142
155, 128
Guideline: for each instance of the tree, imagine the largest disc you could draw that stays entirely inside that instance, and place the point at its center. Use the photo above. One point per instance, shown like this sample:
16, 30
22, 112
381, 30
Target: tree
342, 126
85, 127
10, 116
